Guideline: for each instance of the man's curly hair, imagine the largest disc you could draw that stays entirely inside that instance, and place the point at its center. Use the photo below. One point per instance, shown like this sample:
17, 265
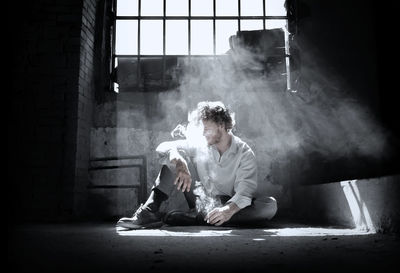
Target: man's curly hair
217, 112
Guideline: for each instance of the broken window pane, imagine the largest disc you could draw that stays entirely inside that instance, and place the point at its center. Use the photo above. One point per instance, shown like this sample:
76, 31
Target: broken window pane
126, 37
151, 40
152, 7
177, 8
151, 69
127, 7
224, 29
176, 39
251, 24
227, 8
127, 73
251, 8
202, 8
275, 8
201, 36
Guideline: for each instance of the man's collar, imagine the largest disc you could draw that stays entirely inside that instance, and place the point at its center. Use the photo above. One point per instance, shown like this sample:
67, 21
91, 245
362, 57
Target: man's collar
232, 148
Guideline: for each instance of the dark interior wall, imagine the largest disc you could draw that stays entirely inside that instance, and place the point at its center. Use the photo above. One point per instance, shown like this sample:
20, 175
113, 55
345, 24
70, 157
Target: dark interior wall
50, 114
92, 83
351, 40
343, 46
43, 115
339, 38
340, 45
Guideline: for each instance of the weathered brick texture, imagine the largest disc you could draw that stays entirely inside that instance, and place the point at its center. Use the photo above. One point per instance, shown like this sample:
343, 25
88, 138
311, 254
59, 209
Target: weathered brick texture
52, 99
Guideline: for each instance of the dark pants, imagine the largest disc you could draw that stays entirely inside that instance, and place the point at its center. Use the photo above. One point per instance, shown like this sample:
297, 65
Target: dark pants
261, 209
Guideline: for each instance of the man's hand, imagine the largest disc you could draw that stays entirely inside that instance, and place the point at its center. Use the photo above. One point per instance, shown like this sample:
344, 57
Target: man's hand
183, 178
218, 216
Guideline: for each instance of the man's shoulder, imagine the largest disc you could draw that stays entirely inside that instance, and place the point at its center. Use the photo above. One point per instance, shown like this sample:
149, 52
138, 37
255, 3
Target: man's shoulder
242, 145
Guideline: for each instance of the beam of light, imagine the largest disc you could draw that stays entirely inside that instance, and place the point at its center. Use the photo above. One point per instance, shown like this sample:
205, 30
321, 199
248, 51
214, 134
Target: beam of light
359, 211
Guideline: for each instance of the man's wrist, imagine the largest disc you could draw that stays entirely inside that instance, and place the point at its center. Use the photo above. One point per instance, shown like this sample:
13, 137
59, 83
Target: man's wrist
233, 207
179, 162
180, 165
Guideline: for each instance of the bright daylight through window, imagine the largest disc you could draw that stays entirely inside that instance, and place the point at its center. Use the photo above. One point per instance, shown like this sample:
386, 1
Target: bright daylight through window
157, 30
189, 27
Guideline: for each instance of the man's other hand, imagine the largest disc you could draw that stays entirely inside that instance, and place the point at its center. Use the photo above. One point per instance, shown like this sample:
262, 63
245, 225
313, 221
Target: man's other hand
183, 178
218, 216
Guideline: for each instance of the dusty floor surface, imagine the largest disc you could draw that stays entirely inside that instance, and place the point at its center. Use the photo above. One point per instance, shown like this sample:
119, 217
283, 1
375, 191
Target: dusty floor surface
103, 248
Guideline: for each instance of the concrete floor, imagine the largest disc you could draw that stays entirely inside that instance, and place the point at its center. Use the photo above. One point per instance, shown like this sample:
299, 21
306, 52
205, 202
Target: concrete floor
100, 247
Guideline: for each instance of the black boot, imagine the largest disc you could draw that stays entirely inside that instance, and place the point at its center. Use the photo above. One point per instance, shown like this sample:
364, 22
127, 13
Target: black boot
147, 215
182, 218
142, 218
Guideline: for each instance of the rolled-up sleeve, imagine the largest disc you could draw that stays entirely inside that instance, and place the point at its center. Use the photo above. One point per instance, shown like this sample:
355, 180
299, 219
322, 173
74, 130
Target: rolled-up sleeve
246, 181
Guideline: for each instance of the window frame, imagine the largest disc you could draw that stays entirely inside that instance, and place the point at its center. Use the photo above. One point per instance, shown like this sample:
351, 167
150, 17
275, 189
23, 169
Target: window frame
188, 18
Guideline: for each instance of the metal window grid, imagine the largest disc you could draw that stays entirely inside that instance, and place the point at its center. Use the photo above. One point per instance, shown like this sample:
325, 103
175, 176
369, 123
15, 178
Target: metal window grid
188, 18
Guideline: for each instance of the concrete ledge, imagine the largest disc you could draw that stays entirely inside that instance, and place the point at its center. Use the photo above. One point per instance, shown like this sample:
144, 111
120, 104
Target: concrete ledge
367, 204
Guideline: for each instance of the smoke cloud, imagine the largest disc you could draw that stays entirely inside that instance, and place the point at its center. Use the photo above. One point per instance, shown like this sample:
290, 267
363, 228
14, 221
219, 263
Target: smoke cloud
322, 117
205, 201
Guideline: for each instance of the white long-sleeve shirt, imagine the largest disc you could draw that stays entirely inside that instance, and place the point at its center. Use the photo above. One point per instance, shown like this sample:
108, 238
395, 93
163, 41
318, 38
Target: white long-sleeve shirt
233, 174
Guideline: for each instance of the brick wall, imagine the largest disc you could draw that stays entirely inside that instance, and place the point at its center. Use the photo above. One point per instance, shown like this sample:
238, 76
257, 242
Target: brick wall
52, 47
89, 64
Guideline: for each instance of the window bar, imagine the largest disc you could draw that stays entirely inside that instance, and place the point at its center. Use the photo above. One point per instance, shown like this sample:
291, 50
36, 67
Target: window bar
138, 67
113, 44
239, 13
287, 57
163, 57
214, 17
264, 14
260, 17
189, 30
214, 14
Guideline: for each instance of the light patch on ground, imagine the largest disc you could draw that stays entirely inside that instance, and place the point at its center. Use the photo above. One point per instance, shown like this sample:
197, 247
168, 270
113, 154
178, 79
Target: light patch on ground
161, 232
316, 232
201, 232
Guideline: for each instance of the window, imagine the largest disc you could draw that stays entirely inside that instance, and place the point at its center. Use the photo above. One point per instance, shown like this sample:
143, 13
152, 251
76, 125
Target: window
160, 30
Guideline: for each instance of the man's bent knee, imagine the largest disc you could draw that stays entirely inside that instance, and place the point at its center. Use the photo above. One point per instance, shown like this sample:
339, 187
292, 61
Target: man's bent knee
274, 207
269, 206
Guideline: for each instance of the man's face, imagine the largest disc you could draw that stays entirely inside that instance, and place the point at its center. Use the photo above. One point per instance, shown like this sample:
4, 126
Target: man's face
212, 132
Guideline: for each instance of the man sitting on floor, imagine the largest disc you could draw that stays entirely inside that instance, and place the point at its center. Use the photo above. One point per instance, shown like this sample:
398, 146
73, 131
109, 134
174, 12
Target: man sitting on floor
224, 167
